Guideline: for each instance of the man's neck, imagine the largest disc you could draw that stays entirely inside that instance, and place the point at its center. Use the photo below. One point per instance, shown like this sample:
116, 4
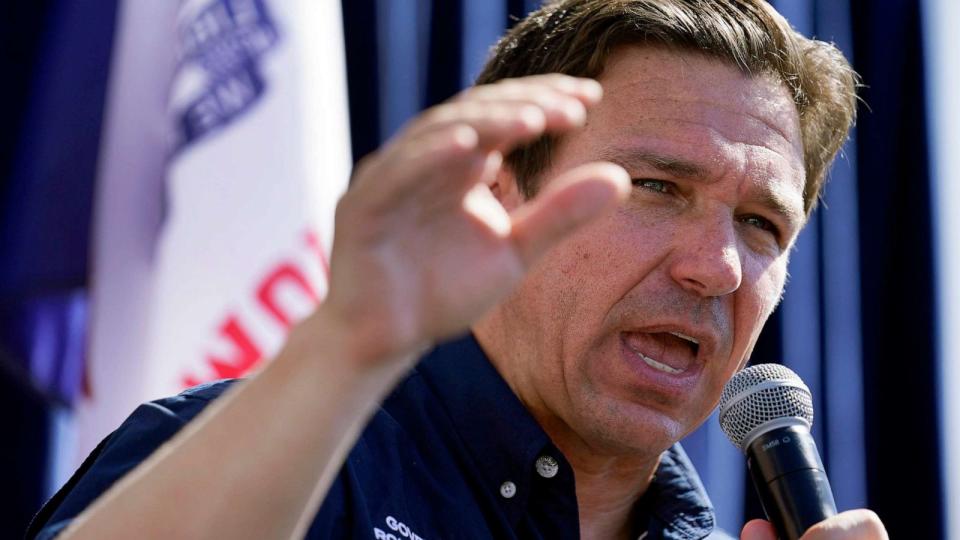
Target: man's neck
607, 486
608, 482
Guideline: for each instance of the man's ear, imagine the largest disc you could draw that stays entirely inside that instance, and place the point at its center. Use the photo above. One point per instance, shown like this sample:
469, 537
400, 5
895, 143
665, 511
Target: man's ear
506, 190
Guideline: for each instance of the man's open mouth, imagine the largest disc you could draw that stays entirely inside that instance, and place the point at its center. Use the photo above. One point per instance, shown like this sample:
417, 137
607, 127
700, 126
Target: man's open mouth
670, 352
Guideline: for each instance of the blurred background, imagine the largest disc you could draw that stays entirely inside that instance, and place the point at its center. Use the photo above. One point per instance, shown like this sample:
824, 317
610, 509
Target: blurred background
169, 172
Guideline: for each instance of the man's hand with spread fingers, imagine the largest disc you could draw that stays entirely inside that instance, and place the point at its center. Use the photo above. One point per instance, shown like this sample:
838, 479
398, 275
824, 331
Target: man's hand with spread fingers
423, 247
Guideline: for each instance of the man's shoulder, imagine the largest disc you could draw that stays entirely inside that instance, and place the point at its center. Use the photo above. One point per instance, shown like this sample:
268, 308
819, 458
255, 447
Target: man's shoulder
387, 437
206, 391
149, 426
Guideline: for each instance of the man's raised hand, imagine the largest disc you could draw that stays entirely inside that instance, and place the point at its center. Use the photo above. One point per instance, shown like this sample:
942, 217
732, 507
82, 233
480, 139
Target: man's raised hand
422, 246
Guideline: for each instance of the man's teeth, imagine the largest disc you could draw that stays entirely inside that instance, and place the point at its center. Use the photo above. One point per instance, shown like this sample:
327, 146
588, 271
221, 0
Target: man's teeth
657, 365
686, 337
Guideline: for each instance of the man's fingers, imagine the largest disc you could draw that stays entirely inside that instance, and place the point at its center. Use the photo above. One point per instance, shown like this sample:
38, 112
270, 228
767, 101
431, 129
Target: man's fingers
512, 111
502, 124
461, 142
850, 525
567, 202
587, 91
758, 529
560, 108
406, 170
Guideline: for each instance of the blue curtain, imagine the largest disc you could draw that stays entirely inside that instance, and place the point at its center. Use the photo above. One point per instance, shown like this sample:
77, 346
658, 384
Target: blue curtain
856, 322
859, 300
54, 58
896, 274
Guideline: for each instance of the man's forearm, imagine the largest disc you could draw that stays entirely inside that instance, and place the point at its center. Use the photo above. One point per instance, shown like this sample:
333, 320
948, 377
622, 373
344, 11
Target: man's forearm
257, 462
422, 249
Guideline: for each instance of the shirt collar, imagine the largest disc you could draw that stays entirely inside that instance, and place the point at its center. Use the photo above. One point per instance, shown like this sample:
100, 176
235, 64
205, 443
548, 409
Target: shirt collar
678, 500
505, 440
501, 436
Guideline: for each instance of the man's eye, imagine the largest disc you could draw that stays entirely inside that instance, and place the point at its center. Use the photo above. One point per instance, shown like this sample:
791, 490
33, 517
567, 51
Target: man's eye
653, 185
761, 223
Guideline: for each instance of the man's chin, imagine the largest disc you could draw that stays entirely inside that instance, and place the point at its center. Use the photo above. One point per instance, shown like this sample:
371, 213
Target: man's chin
632, 428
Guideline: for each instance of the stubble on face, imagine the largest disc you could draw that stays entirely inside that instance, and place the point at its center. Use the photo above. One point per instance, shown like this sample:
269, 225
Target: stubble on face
558, 338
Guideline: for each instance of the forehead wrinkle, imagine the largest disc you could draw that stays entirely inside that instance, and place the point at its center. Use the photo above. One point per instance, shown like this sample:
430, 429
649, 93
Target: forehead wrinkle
704, 81
776, 128
680, 105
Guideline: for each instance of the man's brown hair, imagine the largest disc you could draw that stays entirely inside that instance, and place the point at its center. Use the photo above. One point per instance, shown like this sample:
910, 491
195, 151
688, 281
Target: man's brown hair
576, 36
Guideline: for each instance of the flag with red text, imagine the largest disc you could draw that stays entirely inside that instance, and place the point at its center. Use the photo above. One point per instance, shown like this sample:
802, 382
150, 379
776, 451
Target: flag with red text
227, 147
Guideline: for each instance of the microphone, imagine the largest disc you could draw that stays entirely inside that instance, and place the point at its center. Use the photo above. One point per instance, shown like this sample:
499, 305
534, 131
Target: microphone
767, 411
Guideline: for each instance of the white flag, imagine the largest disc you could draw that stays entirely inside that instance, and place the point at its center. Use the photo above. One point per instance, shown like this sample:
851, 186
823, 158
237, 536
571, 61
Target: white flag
206, 276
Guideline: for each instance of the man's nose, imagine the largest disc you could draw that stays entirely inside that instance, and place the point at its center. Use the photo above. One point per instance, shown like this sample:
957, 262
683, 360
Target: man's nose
706, 258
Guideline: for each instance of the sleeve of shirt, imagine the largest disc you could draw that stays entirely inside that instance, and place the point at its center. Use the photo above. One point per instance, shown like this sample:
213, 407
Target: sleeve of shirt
150, 425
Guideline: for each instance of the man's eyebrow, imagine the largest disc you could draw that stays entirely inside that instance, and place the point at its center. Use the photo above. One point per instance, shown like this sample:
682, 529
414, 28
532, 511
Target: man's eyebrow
790, 213
637, 159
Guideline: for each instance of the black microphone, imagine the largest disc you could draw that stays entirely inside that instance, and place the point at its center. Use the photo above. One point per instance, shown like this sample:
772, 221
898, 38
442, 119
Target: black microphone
767, 411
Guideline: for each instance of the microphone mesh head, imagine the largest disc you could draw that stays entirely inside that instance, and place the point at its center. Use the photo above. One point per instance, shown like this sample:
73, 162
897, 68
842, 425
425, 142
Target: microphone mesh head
761, 394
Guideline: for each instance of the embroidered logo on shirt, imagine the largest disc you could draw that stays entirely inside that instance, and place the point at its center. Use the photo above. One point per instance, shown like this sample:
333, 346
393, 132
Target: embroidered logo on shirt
398, 527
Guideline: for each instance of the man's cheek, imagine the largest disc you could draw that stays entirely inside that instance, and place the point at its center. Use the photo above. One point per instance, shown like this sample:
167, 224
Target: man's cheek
769, 282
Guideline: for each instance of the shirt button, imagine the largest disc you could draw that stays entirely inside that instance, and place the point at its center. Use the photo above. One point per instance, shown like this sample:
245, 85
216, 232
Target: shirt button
547, 466
508, 489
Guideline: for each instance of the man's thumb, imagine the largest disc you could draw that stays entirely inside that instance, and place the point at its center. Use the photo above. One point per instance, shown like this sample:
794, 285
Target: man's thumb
564, 204
758, 529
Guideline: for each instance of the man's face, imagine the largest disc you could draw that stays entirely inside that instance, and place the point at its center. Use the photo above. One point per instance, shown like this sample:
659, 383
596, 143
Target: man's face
603, 324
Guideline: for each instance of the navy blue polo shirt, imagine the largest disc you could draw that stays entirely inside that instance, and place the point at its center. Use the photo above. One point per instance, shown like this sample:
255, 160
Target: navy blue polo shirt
451, 453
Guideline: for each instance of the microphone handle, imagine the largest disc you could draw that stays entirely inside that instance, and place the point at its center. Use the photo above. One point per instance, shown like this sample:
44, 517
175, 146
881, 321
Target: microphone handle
789, 477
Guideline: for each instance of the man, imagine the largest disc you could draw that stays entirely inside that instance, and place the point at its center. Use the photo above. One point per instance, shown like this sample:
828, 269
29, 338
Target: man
614, 275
